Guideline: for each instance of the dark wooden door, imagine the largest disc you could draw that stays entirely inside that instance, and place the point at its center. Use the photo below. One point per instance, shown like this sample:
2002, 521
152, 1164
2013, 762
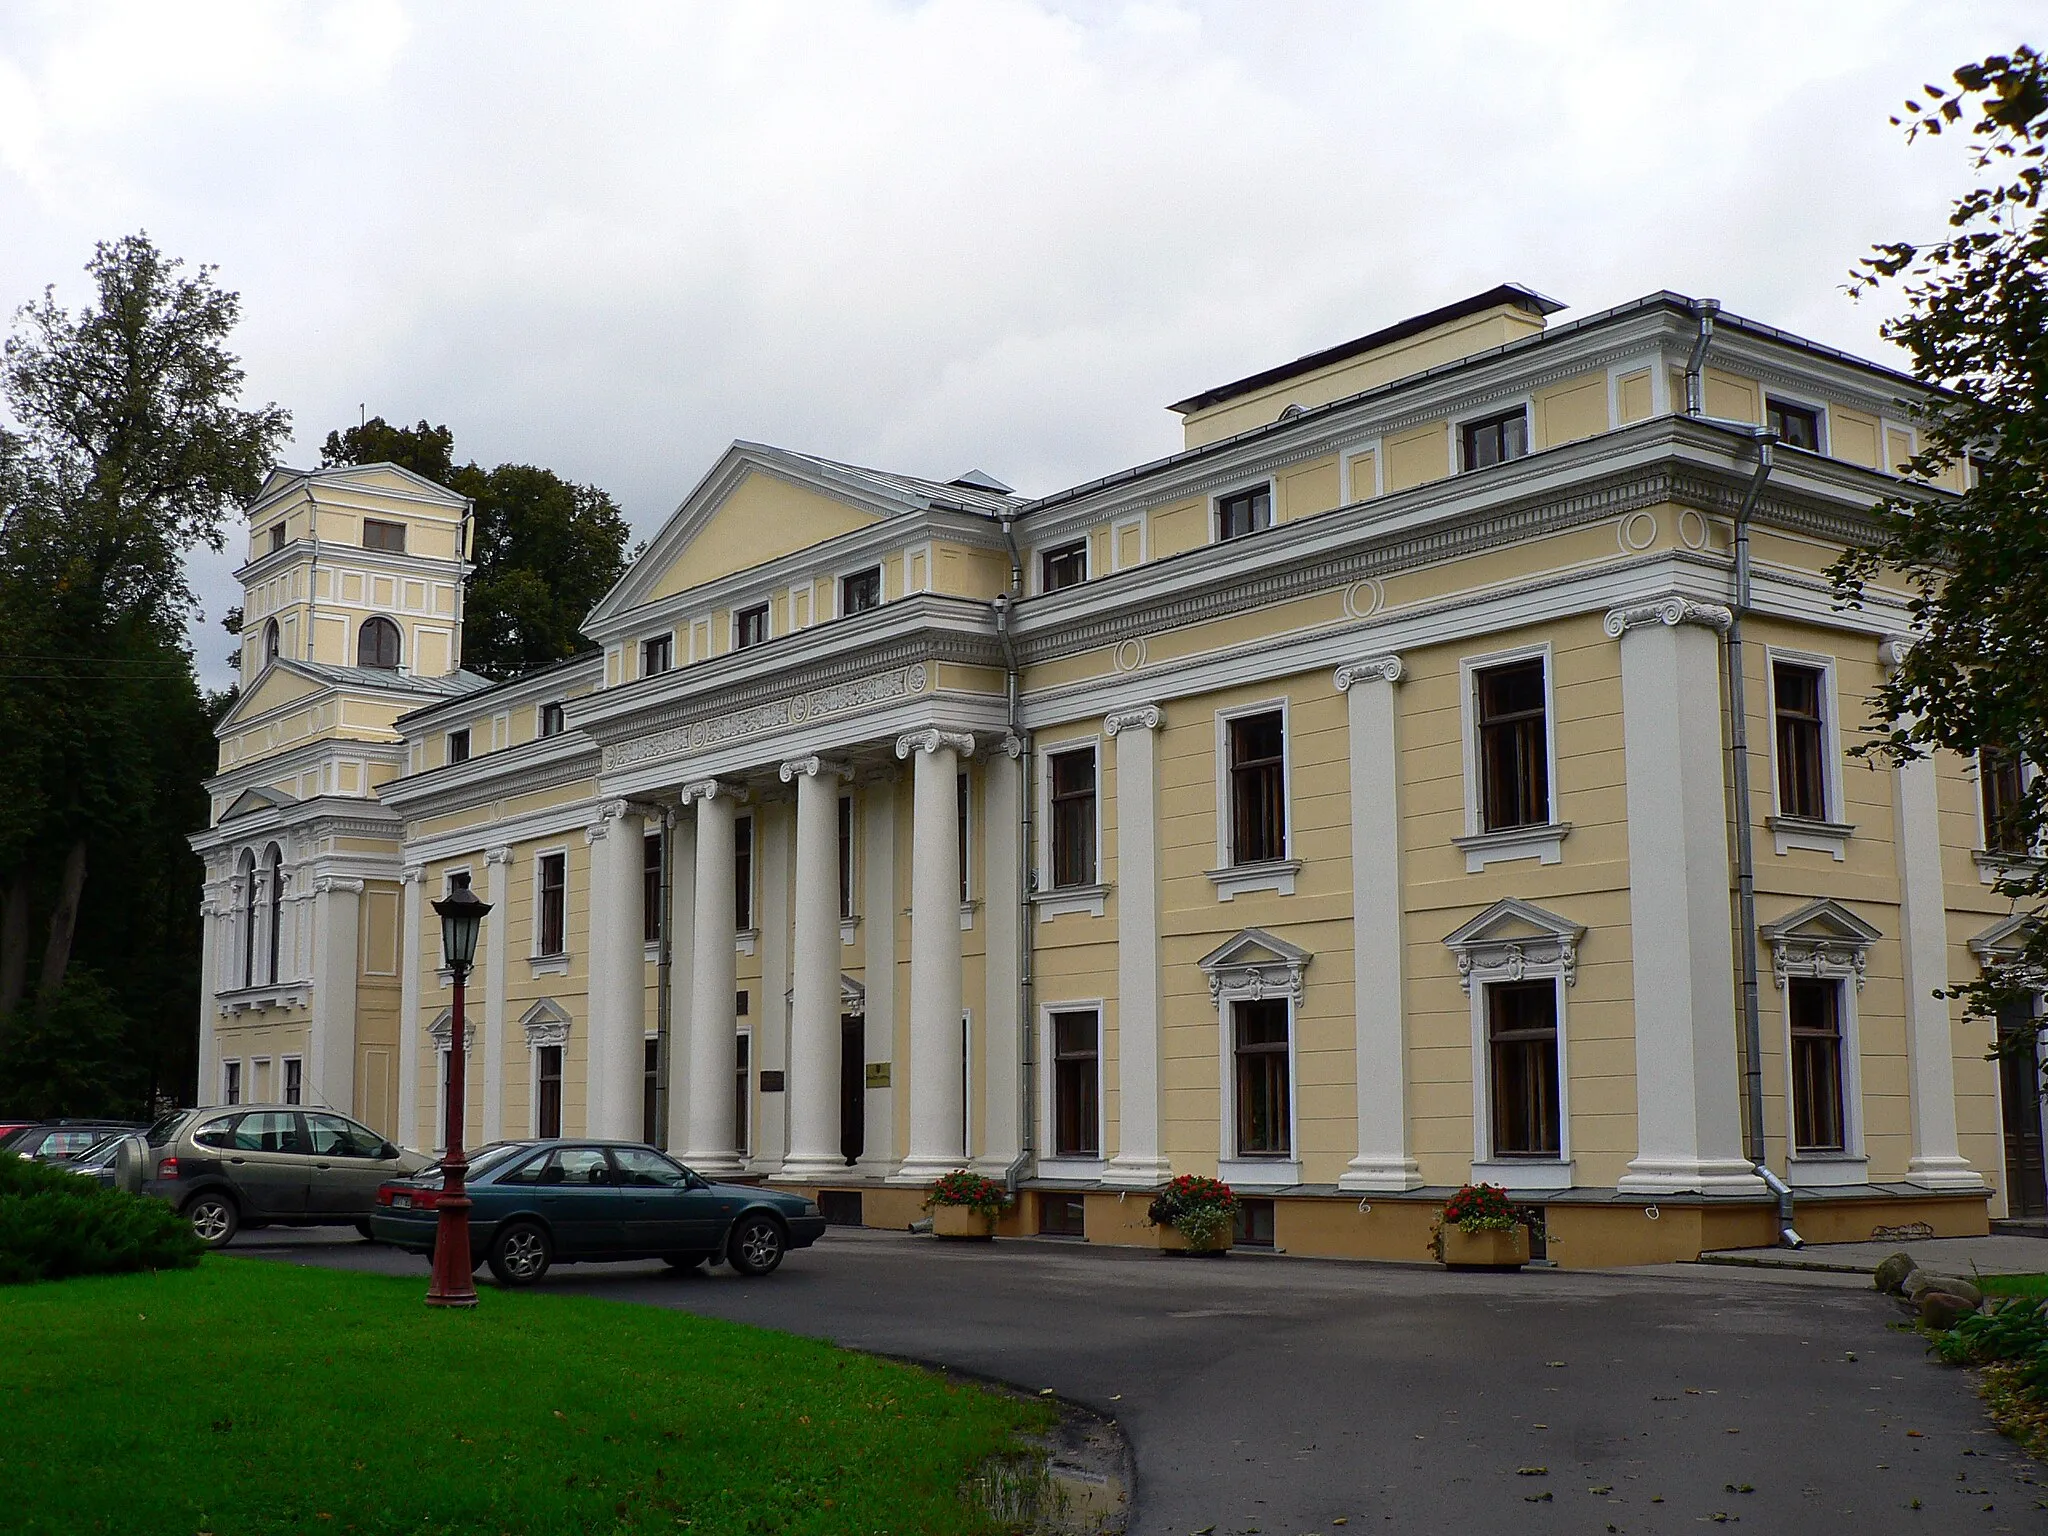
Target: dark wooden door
853, 1106
2019, 1073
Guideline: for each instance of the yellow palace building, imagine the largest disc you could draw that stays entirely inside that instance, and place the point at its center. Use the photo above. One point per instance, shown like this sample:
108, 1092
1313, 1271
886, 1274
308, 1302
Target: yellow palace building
1344, 805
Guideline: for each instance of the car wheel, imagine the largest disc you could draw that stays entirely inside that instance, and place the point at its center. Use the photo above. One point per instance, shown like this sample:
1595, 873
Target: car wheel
520, 1254
214, 1218
684, 1263
757, 1245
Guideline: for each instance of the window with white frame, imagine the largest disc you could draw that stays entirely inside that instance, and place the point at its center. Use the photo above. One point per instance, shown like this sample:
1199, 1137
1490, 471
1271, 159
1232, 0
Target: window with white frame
231, 1082
1800, 735
650, 888
1244, 512
1255, 748
743, 873
750, 627
1511, 724
1262, 1098
1813, 1006
551, 720
657, 655
458, 746
1493, 439
551, 903
1523, 1069
1071, 790
1076, 1103
860, 590
2001, 797
1257, 980
273, 876
1819, 954
1797, 426
294, 1080
742, 1099
245, 877
846, 858
547, 1091
1064, 565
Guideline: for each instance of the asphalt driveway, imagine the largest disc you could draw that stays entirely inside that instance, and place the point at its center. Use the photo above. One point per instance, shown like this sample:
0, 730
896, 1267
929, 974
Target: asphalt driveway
1289, 1395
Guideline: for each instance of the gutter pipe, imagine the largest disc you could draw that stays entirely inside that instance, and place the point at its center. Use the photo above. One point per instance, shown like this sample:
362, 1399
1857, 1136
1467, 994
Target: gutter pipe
1738, 751
1003, 604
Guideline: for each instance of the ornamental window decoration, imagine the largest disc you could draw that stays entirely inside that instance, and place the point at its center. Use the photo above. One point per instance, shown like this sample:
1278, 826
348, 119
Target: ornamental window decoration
546, 1023
853, 997
1515, 940
2001, 949
1255, 966
1823, 940
442, 1027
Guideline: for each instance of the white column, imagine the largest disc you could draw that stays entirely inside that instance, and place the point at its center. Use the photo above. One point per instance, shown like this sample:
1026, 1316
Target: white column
937, 1102
1937, 1161
618, 974
497, 948
1385, 1160
1139, 1162
207, 1090
331, 1043
682, 855
811, 1080
1688, 1082
1002, 794
879, 903
708, 1144
409, 1015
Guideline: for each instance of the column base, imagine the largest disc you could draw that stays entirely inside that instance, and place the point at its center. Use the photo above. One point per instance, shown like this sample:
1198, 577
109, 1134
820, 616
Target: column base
810, 1170
927, 1170
714, 1165
1691, 1176
1380, 1175
1943, 1173
1137, 1172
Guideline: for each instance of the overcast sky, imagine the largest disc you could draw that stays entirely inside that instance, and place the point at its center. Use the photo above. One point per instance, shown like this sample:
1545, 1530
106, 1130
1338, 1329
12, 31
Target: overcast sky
611, 238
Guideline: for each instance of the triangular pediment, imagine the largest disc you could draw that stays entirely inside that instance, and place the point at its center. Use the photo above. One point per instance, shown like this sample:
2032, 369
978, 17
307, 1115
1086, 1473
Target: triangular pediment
2004, 940
1512, 920
1254, 947
1822, 921
252, 800
278, 684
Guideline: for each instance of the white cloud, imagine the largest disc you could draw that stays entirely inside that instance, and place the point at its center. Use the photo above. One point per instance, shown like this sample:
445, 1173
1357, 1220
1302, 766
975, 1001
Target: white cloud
610, 238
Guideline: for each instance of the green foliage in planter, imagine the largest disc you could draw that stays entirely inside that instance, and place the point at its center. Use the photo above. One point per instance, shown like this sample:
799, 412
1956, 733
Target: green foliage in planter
1195, 1207
983, 1196
55, 1224
1477, 1208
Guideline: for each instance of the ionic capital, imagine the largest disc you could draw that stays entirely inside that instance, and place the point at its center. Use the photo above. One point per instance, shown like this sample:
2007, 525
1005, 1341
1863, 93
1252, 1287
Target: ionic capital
711, 789
1374, 669
1893, 651
812, 767
411, 874
1671, 610
1145, 717
933, 740
498, 855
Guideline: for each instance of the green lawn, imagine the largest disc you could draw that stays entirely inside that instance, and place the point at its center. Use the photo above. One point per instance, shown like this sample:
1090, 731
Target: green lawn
248, 1397
2013, 1285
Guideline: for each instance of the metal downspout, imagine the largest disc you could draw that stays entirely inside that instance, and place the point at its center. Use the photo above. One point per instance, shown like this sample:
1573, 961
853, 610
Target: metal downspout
1027, 1122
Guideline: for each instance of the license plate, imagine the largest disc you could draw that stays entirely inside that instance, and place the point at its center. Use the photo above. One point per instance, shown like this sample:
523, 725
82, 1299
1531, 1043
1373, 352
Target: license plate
402, 1202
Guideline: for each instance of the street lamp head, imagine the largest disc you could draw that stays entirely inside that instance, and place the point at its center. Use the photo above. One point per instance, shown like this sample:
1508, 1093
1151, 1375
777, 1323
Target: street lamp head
462, 919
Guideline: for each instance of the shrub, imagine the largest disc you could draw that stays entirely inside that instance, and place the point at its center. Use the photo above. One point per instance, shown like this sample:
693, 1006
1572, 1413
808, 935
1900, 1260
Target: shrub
55, 1224
984, 1196
2014, 1331
1195, 1207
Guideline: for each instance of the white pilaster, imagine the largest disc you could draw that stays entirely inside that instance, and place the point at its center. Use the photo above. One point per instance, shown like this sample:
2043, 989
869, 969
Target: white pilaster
207, 1090
1688, 1086
1139, 1163
618, 979
1002, 807
682, 939
1386, 1159
409, 1015
497, 891
937, 1100
880, 903
708, 1146
811, 1085
1936, 1161
331, 1034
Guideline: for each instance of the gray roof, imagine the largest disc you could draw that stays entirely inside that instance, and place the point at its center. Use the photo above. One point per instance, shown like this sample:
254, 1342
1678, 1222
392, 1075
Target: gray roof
453, 686
957, 495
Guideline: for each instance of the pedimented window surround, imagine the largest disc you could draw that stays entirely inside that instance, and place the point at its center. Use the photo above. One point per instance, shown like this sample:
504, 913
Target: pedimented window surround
1821, 939
443, 1027
1515, 940
1253, 967
1256, 965
545, 1023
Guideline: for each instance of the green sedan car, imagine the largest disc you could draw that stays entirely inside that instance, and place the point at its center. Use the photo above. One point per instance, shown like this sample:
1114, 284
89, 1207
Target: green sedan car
534, 1204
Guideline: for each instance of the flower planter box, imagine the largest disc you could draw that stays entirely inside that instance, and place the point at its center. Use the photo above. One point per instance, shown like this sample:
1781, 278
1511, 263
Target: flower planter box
962, 1221
1485, 1250
1173, 1240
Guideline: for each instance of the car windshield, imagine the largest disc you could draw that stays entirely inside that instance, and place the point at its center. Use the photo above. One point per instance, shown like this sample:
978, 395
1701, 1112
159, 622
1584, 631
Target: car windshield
167, 1126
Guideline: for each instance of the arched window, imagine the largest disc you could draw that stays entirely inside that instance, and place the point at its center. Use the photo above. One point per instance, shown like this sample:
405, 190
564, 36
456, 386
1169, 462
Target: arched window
270, 641
246, 873
377, 644
274, 869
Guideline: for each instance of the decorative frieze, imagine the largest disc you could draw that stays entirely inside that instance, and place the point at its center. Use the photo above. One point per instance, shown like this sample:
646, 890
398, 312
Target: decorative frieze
1670, 609
778, 714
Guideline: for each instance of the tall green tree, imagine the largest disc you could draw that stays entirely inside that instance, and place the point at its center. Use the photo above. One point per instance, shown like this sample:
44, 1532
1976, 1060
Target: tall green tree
1975, 321
125, 448
545, 548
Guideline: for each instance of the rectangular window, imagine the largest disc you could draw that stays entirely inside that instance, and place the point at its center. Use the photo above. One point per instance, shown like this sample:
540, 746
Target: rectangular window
743, 873
1514, 746
458, 746
657, 655
1258, 788
2002, 785
1816, 1009
547, 1107
1802, 739
960, 808
551, 720
231, 1082
650, 1097
276, 537
1076, 1084
1254, 1224
1260, 1045
551, 874
1063, 566
1493, 439
1521, 1051
1796, 425
750, 626
860, 591
1062, 1216
846, 858
294, 1080
1071, 776
386, 536
742, 1119
1243, 513
650, 889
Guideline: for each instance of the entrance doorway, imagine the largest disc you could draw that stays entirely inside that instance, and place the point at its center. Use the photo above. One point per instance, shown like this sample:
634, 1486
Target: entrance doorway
2019, 1081
853, 1108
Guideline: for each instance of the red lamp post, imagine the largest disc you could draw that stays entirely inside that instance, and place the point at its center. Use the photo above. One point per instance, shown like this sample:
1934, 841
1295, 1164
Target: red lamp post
462, 920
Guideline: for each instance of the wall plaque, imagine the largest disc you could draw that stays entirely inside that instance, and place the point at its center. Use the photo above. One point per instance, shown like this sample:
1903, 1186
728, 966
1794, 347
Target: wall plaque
878, 1074
771, 1082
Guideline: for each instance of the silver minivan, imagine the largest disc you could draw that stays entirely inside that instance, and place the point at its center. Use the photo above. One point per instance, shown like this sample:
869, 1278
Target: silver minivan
252, 1165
